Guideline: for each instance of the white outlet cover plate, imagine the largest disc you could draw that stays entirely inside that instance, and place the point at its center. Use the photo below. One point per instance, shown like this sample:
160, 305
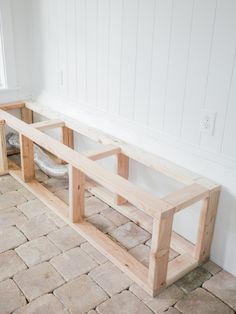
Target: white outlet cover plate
207, 124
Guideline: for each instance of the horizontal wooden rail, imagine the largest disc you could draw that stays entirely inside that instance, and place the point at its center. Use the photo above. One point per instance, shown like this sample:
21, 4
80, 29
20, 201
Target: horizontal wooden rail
12, 106
103, 152
187, 196
49, 124
152, 205
150, 160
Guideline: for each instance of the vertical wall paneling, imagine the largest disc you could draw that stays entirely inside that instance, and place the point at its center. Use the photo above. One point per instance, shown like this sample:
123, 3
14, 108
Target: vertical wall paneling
129, 55
144, 59
115, 47
81, 50
178, 61
91, 40
62, 59
196, 79
161, 43
230, 126
71, 37
220, 71
103, 53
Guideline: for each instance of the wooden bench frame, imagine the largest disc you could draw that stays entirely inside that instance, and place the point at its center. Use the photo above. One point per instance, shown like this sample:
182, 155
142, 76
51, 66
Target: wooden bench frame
150, 212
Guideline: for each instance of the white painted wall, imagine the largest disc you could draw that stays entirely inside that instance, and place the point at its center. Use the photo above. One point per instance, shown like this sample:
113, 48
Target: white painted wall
143, 71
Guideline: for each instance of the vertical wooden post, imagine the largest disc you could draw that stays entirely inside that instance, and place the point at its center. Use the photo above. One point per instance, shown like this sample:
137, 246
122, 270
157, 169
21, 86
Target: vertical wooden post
159, 255
76, 194
3, 149
26, 115
27, 158
123, 171
206, 226
67, 137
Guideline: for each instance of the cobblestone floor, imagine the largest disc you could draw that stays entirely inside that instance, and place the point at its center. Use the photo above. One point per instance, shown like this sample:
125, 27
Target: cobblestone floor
46, 267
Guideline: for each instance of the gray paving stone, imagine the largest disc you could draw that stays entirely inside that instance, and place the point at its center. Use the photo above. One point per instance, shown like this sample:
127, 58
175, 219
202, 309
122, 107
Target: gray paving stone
123, 303
37, 227
26, 194
110, 278
73, 263
64, 195
47, 304
37, 251
212, 267
38, 280
114, 216
81, 295
223, 285
33, 208
193, 280
94, 206
95, 254
141, 253
200, 301
65, 238
11, 297
10, 238
10, 264
56, 219
54, 185
162, 302
172, 310
11, 199
102, 223
92, 312
8, 184
130, 235
11, 217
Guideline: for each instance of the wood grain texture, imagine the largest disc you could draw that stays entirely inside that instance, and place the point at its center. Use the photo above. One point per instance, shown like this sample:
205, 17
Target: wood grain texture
3, 149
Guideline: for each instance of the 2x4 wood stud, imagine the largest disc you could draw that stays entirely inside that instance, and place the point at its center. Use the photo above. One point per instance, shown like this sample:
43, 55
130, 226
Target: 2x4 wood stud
160, 273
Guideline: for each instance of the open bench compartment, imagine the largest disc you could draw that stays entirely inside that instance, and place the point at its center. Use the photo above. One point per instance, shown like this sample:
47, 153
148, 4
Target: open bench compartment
150, 212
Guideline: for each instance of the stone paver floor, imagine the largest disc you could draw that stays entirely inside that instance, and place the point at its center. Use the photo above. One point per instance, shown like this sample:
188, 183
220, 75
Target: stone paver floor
47, 268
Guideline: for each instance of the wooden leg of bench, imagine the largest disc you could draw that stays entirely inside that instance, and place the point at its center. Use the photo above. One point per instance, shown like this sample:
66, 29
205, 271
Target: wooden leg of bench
76, 194
26, 115
27, 158
159, 254
206, 226
3, 149
123, 171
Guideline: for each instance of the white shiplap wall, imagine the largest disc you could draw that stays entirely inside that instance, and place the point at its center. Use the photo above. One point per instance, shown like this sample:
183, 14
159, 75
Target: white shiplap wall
144, 71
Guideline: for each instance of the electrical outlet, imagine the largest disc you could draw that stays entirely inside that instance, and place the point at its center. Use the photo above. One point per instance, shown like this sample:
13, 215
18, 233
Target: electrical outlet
207, 124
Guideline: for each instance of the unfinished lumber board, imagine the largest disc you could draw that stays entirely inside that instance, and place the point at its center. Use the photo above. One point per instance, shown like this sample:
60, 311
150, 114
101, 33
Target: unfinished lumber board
103, 152
159, 254
76, 194
143, 200
68, 137
206, 226
48, 124
148, 159
3, 149
27, 158
179, 267
26, 115
12, 106
44, 195
187, 196
123, 171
